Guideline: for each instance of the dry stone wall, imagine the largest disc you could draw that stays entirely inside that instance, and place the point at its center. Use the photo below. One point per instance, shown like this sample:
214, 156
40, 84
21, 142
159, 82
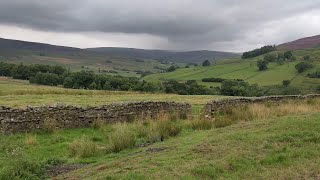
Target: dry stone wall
35, 118
217, 105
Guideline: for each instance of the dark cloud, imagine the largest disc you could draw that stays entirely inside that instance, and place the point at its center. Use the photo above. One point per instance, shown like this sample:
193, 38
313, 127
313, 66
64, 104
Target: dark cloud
185, 24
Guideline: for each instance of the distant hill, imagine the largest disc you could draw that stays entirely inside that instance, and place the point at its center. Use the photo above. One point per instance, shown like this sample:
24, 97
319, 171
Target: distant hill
173, 56
16, 51
304, 43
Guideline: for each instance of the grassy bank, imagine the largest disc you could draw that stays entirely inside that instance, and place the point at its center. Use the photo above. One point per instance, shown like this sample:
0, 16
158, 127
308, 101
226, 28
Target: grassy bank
263, 141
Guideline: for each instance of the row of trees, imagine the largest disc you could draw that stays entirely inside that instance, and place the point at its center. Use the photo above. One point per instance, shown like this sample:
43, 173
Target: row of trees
25, 72
258, 52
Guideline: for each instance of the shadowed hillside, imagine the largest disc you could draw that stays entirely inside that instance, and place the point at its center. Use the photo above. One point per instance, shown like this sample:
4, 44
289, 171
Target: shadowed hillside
174, 56
304, 43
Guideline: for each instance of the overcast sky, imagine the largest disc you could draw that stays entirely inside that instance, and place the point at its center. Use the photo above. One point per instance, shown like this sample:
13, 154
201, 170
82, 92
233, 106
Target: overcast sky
227, 25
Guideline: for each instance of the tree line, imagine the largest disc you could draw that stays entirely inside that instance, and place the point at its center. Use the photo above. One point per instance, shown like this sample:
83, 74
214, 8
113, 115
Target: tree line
259, 51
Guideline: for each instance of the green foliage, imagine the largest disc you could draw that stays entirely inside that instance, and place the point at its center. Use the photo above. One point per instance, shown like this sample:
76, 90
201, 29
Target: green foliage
26, 72
270, 57
239, 88
314, 75
306, 58
171, 69
288, 55
262, 65
258, 52
46, 79
286, 83
188, 88
303, 66
206, 63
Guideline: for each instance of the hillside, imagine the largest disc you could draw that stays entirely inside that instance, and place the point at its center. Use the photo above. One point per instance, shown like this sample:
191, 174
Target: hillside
173, 56
247, 70
304, 43
29, 52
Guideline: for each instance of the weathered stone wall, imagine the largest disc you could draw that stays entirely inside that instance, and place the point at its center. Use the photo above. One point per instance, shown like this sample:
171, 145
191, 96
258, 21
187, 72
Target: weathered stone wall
217, 105
33, 118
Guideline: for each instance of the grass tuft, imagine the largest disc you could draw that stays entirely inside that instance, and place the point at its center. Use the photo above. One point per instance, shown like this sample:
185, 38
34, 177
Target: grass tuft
31, 140
83, 148
122, 138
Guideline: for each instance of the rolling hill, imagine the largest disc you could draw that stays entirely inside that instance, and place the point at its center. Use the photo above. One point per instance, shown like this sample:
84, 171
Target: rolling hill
304, 43
173, 56
75, 58
123, 61
247, 70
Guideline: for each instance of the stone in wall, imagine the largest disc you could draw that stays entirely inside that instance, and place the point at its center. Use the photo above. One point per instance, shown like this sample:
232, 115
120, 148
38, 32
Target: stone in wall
217, 105
34, 118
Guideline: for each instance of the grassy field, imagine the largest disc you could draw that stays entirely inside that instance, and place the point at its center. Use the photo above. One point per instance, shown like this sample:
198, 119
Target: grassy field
283, 144
17, 93
248, 71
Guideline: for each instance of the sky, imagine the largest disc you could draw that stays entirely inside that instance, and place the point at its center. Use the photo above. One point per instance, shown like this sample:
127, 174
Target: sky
222, 25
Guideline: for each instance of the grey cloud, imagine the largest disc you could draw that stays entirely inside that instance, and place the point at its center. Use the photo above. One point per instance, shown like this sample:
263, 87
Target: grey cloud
187, 24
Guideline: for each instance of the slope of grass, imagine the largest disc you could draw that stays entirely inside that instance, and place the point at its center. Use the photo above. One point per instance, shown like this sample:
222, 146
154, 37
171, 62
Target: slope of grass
17, 93
247, 70
282, 145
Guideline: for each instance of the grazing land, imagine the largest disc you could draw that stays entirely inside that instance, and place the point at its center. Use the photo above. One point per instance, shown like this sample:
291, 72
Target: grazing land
18, 93
247, 70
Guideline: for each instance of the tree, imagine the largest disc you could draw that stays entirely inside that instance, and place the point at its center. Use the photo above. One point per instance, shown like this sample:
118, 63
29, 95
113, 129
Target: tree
171, 69
270, 57
303, 66
206, 63
280, 61
262, 65
286, 83
306, 58
288, 55
258, 52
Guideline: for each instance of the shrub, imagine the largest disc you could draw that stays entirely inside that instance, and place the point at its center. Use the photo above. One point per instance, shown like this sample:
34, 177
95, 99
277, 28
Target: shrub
303, 66
122, 138
262, 65
206, 63
286, 83
83, 148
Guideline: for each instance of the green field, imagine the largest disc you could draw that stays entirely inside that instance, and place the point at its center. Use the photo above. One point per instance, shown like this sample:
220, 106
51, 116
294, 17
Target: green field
248, 71
18, 93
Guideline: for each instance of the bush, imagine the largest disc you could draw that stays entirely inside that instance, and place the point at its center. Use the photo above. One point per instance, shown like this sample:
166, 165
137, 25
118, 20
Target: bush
303, 66
122, 138
206, 63
239, 88
83, 148
262, 65
286, 83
